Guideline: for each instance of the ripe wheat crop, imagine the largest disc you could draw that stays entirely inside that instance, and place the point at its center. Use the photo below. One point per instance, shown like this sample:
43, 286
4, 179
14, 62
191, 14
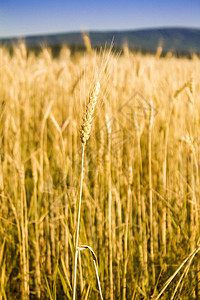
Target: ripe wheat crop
140, 209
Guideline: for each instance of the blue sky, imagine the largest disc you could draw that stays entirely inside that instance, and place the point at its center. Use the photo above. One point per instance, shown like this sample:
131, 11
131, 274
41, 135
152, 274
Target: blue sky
20, 17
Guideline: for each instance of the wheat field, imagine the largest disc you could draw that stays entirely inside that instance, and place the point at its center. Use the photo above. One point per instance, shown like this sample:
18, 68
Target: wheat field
140, 208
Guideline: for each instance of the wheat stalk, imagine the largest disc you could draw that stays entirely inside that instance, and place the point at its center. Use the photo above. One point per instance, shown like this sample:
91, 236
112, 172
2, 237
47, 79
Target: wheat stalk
84, 135
151, 118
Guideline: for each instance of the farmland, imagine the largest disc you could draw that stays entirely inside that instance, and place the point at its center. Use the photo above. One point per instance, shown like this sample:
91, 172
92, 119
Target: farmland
140, 208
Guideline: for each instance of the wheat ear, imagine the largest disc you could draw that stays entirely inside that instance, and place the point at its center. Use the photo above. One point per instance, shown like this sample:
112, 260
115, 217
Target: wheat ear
87, 119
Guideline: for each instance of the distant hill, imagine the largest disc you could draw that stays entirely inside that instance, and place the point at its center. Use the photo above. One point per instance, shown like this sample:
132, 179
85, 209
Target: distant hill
185, 40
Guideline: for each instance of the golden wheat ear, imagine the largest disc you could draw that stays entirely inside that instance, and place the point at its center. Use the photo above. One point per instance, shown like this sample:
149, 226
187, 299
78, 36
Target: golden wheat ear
87, 42
88, 116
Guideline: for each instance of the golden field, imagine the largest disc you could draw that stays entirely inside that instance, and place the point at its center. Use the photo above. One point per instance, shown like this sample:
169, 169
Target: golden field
140, 208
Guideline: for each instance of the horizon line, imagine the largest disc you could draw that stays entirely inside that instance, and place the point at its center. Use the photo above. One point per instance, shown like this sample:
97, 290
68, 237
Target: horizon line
96, 31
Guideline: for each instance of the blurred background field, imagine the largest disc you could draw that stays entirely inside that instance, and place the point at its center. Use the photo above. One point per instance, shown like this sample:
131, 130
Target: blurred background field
150, 173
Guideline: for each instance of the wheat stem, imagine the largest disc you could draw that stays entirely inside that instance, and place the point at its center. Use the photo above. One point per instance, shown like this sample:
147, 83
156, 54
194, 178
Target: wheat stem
78, 224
